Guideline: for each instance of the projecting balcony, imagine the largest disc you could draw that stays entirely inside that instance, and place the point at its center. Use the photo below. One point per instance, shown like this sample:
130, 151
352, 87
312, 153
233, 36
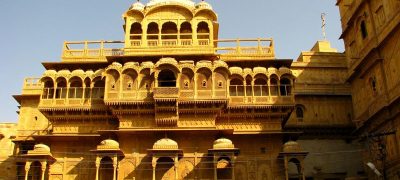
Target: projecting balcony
166, 93
76, 98
261, 95
31, 86
229, 50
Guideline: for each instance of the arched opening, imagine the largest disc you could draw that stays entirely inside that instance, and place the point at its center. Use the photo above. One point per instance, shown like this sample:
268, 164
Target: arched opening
106, 169
129, 81
294, 169
186, 33
285, 87
236, 87
165, 168
113, 80
224, 168
221, 76
35, 171
48, 89
152, 34
98, 88
61, 91
274, 85
203, 32
166, 78
204, 80
169, 30
261, 86
299, 112
75, 88
363, 29
187, 82
136, 31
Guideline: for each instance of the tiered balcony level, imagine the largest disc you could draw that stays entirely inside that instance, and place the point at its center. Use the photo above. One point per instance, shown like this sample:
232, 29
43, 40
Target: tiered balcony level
230, 49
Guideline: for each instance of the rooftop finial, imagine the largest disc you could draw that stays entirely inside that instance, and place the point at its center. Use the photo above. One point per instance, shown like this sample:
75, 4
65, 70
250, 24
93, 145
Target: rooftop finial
323, 18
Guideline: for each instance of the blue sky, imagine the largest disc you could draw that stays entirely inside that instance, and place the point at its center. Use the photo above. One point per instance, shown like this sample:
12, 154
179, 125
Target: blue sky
34, 31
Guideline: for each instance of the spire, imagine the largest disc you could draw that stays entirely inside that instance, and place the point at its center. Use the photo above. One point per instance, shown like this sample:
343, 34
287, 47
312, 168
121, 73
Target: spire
323, 19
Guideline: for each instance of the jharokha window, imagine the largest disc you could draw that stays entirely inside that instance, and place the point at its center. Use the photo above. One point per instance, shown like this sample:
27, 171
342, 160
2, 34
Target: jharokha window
299, 113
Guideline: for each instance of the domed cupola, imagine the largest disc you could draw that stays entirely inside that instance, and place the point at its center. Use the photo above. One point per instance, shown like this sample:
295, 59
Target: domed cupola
203, 5
137, 6
165, 144
223, 143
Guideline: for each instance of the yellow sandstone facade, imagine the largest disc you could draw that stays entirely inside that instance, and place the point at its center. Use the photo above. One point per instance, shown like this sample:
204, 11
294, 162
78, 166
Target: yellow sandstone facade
173, 101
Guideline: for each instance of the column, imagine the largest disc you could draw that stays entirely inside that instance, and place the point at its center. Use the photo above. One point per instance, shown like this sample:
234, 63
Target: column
286, 168
178, 26
211, 29
115, 164
245, 90
97, 167
215, 168
159, 33
195, 85
144, 34
154, 164
128, 33
213, 84
194, 32
27, 167
176, 167
233, 170
44, 165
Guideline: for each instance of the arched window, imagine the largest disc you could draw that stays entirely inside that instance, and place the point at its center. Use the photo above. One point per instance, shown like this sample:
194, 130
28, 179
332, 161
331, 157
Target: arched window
363, 29
98, 88
61, 91
236, 87
48, 91
261, 87
274, 86
152, 31
299, 112
285, 87
203, 32
75, 88
136, 31
166, 78
224, 168
169, 31
186, 30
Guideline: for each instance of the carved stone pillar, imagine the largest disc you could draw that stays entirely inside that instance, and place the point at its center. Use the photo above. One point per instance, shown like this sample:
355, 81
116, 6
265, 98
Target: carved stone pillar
213, 84
215, 168
27, 167
286, 168
144, 34
115, 164
194, 32
97, 167
176, 167
154, 164
195, 85
44, 165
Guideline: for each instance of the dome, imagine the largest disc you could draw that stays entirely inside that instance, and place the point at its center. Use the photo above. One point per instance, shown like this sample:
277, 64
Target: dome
137, 6
223, 143
291, 146
108, 144
41, 148
203, 5
165, 143
168, 2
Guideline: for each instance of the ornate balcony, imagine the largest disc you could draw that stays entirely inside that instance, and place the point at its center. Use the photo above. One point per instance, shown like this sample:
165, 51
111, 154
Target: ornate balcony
31, 86
71, 98
230, 50
166, 93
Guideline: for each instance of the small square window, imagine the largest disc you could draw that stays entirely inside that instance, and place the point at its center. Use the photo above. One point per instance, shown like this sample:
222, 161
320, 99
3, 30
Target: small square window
204, 83
186, 84
263, 150
220, 84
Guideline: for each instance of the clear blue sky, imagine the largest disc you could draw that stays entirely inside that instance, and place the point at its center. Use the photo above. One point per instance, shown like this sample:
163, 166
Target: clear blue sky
33, 31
